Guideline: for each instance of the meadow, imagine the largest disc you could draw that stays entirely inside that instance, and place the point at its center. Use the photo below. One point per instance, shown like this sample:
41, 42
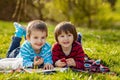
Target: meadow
98, 44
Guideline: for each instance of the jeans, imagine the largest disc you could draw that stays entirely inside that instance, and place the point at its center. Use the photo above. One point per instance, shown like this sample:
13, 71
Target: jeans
14, 47
79, 39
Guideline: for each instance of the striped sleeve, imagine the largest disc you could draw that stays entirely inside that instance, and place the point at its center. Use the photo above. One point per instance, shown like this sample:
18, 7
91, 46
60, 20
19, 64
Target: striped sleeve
25, 53
47, 54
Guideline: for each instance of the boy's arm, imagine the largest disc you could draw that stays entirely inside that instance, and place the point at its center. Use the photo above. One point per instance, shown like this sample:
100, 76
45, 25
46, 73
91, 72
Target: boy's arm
55, 54
48, 57
79, 59
25, 54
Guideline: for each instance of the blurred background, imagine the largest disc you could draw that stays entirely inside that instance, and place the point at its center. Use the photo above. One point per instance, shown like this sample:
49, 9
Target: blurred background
101, 14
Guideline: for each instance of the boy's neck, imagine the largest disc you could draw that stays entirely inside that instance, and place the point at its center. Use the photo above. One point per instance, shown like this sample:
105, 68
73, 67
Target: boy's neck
37, 51
67, 50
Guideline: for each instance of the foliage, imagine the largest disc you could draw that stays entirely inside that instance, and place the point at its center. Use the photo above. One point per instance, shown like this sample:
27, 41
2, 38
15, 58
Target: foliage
98, 44
92, 13
86, 13
78, 11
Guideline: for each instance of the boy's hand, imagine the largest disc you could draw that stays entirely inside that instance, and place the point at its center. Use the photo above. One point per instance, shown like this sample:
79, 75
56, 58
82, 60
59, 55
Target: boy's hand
60, 63
63, 60
48, 66
70, 62
38, 60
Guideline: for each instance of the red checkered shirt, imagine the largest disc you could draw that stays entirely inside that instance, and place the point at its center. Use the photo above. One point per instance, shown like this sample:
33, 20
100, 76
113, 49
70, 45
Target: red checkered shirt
76, 53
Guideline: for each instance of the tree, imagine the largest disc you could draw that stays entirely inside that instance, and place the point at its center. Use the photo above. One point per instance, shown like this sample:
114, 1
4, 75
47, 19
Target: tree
28, 9
6, 9
78, 11
21, 10
112, 4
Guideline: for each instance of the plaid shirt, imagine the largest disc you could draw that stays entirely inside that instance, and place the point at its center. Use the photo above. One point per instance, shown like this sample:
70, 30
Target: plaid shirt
76, 53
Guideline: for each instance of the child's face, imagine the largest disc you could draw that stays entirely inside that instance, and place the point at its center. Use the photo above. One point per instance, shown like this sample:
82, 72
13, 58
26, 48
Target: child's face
65, 40
37, 39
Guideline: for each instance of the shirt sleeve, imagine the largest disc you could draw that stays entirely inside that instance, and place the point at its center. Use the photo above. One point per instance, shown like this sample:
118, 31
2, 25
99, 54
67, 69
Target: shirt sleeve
79, 57
25, 53
55, 53
47, 54
48, 57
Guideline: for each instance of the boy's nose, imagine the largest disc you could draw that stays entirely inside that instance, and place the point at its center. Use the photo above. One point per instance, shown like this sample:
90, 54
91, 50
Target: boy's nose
40, 40
66, 37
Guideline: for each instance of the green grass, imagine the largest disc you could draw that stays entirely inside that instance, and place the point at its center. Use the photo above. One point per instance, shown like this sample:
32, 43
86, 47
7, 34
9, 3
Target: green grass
98, 44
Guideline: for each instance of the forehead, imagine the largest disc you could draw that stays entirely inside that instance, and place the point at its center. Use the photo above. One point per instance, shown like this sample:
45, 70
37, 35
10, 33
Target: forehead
38, 32
65, 32
64, 29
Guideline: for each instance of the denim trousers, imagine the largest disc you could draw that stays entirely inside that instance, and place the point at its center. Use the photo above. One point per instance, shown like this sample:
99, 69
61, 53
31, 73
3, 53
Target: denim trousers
14, 47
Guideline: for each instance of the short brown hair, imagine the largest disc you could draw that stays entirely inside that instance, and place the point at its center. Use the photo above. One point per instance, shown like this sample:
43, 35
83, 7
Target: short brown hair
65, 27
36, 25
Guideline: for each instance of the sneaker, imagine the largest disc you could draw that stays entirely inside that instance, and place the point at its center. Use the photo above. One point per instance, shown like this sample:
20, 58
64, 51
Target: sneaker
20, 30
104, 69
97, 62
79, 39
86, 65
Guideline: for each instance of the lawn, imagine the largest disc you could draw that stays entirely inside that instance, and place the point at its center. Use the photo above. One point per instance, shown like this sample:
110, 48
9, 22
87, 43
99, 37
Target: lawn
98, 44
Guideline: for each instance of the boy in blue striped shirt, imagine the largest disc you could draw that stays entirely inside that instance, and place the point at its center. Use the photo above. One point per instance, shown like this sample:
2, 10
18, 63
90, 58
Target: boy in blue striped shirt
35, 51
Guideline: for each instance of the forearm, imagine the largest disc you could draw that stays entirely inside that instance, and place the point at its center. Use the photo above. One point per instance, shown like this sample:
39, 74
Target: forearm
79, 65
28, 64
48, 60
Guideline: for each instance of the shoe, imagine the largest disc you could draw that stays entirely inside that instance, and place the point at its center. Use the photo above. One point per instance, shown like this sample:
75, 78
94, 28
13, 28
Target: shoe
79, 39
20, 30
97, 62
104, 69
87, 65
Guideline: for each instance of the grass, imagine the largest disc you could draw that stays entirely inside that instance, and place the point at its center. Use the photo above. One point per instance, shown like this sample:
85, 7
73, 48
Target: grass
98, 44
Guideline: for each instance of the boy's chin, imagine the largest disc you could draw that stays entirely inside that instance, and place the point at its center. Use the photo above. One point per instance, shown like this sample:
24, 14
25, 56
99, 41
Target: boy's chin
66, 46
37, 48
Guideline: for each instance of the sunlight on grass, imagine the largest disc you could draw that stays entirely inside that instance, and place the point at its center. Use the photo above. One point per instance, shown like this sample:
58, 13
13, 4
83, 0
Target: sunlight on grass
98, 44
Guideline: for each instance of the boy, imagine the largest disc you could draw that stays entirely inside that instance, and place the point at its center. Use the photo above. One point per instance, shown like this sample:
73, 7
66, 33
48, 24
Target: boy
67, 51
35, 51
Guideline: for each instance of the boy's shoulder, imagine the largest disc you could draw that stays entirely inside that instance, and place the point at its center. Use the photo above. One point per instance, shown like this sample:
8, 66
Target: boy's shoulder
56, 46
47, 45
26, 44
76, 44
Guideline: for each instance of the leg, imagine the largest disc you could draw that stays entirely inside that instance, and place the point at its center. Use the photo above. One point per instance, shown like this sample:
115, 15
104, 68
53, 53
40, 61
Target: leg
13, 49
14, 44
20, 30
79, 39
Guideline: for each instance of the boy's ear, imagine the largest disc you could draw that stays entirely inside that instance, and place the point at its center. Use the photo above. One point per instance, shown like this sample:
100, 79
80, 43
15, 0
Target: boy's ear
28, 37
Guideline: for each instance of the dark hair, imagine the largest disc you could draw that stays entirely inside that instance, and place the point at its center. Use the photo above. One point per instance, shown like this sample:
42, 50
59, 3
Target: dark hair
65, 27
36, 25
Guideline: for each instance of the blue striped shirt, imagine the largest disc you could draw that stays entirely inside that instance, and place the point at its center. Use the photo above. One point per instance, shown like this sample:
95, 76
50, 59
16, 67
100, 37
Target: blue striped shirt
28, 54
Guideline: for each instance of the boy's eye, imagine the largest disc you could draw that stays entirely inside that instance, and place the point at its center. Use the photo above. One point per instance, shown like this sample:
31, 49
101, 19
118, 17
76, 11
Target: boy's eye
61, 36
42, 37
35, 37
69, 34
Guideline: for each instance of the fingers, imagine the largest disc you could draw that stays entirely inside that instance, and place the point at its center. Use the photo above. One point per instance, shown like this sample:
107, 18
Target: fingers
35, 59
38, 61
59, 63
70, 62
48, 67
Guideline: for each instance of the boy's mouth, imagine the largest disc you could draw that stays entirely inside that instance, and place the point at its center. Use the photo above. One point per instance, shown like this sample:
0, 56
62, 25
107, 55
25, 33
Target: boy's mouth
65, 42
39, 44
